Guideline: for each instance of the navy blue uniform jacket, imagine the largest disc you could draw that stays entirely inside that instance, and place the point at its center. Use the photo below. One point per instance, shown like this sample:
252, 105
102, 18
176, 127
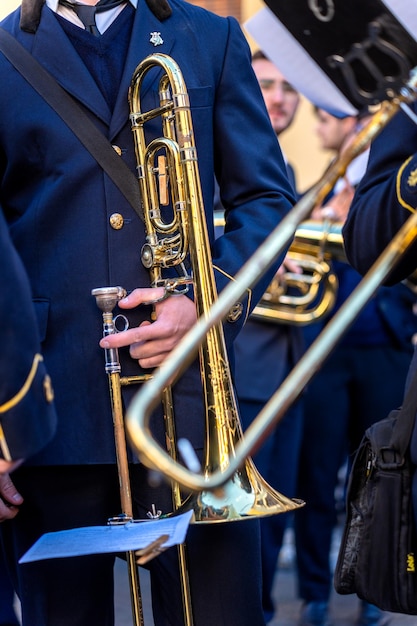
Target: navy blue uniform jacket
58, 202
383, 201
27, 415
384, 198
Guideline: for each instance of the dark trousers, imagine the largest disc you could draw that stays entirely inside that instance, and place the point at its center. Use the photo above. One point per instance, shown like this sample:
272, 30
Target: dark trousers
224, 559
355, 388
277, 462
7, 612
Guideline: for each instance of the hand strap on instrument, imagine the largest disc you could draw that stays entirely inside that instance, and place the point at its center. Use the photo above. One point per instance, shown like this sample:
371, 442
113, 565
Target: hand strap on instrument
74, 117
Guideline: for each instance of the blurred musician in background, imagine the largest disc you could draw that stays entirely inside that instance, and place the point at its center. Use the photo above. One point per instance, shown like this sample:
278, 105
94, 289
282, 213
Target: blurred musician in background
384, 200
359, 384
266, 351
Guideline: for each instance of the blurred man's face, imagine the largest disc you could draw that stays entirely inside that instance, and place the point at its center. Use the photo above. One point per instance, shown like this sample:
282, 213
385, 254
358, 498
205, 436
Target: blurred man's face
333, 132
281, 99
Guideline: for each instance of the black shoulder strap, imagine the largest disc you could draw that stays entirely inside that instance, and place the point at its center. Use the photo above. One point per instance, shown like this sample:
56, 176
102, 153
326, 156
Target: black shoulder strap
75, 118
405, 419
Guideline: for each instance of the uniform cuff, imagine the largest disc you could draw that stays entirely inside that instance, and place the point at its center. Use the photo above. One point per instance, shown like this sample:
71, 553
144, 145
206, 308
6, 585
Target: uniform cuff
28, 419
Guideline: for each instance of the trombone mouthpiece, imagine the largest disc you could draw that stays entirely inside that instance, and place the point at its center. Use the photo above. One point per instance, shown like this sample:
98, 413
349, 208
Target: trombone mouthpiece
108, 297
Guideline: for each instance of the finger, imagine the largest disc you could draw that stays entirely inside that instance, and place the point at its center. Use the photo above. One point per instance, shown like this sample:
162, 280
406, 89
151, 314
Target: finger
137, 335
8, 491
292, 266
7, 467
153, 361
150, 353
141, 296
151, 349
7, 511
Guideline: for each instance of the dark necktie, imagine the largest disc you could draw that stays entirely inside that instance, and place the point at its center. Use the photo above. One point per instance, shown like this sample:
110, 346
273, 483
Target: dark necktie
87, 13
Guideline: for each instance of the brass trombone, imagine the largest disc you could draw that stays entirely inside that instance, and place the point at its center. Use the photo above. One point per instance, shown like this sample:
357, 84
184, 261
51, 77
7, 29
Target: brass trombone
137, 418
246, 493
167, 244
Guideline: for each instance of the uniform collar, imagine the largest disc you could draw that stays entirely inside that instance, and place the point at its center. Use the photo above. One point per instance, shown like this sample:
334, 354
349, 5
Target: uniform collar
103, 20
31, 12
53, 4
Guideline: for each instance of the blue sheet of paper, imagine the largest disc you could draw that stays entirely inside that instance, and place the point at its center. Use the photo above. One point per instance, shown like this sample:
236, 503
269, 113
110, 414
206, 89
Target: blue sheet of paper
108, 539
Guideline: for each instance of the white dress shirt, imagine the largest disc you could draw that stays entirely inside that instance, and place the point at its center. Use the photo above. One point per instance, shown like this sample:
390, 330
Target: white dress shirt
103, 19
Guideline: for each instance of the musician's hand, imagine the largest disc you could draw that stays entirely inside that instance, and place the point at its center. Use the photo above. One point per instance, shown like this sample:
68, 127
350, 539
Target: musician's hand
7, 467
150, 343
10, 498
288, 265
338, 206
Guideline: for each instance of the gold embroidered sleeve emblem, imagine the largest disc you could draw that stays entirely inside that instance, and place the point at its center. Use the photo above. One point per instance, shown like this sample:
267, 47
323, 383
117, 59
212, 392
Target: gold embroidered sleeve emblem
412, 178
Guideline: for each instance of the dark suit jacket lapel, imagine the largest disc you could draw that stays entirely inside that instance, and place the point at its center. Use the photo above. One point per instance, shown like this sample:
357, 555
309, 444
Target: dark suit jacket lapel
140, 47
54, 51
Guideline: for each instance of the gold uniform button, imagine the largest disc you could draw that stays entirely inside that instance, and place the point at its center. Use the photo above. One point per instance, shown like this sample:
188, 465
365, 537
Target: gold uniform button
116, 221
117, 149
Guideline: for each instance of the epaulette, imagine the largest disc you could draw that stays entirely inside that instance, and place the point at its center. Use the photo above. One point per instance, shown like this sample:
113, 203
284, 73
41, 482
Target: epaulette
31, 12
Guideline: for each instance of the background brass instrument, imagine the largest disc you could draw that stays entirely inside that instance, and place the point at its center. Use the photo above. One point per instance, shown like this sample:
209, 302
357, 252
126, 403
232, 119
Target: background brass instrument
139, 411
304, 298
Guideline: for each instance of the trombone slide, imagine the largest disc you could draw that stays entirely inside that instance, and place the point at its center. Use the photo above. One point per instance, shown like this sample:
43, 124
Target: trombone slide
139, 411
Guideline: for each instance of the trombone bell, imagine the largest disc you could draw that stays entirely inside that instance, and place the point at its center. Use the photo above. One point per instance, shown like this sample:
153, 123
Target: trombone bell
245, 496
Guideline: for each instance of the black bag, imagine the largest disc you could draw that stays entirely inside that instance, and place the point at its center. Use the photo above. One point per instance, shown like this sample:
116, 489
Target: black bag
378, 548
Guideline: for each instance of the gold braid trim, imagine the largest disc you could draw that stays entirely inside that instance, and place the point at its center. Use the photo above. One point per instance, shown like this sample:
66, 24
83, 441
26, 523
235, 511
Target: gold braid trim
398, 187
15, 400
38, 358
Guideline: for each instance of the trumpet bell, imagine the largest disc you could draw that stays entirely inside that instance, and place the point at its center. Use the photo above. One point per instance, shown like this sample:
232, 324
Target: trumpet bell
305, 298
245, 496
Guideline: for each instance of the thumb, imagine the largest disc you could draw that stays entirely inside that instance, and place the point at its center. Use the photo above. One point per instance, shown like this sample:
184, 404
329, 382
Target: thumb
8, 491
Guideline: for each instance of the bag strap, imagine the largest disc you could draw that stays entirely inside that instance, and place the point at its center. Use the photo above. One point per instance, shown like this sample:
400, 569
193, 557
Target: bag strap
75, 118
403, 429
